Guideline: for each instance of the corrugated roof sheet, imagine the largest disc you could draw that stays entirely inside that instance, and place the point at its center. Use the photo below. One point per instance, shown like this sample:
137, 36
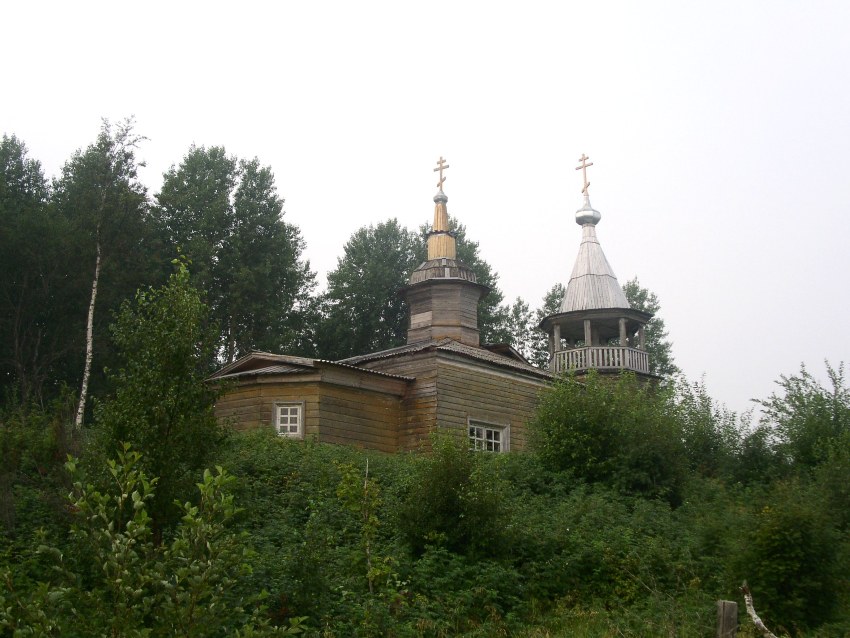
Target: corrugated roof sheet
449, 345
264, 371
288, 365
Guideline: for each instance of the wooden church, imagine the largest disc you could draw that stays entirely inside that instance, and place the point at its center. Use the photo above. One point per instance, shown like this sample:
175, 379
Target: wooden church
443, 377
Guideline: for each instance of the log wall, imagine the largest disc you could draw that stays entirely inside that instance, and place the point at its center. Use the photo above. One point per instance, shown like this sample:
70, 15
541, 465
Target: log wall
350, 408
333, 413
250, 404
419, 405
362, 418
467, 391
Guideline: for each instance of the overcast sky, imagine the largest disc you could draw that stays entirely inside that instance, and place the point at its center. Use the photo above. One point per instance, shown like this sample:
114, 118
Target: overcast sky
719, 133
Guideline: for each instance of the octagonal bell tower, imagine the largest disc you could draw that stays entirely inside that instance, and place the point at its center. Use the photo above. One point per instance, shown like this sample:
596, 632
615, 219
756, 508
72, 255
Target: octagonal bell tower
595, 327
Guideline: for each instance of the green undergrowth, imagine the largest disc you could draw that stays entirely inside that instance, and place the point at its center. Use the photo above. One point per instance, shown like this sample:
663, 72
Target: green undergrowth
451, 543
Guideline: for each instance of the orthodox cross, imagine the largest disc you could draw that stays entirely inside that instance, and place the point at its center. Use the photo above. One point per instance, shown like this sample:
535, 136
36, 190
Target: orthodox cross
583, 168
441, 164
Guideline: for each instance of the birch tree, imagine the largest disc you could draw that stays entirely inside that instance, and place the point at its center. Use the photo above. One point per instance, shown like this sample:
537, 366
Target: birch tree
99, 192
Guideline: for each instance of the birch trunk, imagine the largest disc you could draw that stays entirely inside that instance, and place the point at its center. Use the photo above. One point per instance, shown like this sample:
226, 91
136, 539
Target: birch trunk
748, 600
81, 406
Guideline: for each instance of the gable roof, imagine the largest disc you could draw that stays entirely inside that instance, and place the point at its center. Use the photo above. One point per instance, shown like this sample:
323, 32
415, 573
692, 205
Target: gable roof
456, 347
265, 363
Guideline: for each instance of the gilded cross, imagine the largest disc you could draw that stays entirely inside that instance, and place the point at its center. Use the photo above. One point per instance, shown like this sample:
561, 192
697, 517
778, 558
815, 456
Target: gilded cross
583, 168
441, 164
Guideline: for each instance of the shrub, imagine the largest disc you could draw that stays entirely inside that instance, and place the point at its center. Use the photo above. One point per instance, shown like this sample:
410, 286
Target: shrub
620, 432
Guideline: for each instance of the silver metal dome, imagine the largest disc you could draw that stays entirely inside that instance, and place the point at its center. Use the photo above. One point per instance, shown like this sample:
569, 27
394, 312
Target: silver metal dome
587, 214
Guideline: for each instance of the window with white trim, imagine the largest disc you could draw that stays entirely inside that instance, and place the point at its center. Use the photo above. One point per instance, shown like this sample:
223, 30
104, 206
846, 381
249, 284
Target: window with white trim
288, 419
488, 437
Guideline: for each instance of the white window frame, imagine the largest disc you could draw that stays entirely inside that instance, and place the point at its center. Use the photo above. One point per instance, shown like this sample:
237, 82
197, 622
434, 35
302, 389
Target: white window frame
486, 436
294, 410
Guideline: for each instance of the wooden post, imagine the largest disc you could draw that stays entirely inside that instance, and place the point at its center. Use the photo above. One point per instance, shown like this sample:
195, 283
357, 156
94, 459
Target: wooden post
727, 619
588, 340
641, 338
556, 332
623, 340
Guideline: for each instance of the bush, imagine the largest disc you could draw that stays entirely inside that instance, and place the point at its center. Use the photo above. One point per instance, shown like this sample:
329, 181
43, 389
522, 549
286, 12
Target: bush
162, 404
453, 499
619, 432
118, 582
790, 555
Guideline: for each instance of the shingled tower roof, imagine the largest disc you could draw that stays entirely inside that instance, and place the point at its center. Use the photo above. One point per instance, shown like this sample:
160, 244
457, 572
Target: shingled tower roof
595, 328
593, 284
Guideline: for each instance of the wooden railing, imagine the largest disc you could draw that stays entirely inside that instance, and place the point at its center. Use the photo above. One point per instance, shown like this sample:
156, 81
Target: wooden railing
602, 358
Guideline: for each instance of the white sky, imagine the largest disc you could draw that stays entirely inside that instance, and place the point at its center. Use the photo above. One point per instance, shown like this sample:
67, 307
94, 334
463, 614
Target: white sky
719, 132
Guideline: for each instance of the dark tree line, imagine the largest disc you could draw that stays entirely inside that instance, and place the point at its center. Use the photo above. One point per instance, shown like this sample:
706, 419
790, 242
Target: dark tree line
75, 247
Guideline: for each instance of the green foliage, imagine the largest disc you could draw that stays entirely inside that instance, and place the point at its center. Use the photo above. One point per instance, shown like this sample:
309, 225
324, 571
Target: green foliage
118, 582
309, 546
364, 311
832, 478
617, 431
655, 335
34, 292
106, 209
453, 500
711, 433
364, 502
789, 553
521, 326
226, 216
503, 545
809, 420
33, 442
161, 403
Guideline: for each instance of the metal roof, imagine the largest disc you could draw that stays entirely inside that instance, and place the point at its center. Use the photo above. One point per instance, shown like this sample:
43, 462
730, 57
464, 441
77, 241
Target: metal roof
286, 364
450, 345
264, 371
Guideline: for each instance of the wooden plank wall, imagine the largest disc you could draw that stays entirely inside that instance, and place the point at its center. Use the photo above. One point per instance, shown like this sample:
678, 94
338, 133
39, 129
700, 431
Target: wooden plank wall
469, 391
362, 418
251, 404
455, 305
448, 391
419, 406
332, 413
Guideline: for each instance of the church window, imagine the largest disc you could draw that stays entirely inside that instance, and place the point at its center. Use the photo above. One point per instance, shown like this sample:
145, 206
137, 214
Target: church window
288, 419
488, 437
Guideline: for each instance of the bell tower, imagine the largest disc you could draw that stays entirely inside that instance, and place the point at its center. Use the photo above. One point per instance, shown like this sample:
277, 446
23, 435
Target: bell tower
595, 328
